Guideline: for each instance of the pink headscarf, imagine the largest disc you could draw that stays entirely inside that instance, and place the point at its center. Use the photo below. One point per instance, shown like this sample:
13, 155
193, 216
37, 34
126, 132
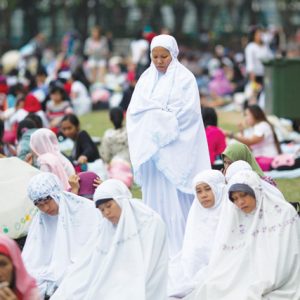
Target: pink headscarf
24, 282
44, 143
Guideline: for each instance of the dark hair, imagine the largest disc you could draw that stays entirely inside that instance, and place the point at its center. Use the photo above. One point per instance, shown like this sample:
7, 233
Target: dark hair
41, 71
57, 88
252, 32
1, 130
259, 115
36, 119
72, 119
209, 116
78, 75
240, 187
116, 117
23, 126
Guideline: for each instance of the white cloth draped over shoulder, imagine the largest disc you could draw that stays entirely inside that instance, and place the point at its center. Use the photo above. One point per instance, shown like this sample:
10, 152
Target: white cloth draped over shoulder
199, 236
167, 141
54, 242
126, 261
257, 254
164, 121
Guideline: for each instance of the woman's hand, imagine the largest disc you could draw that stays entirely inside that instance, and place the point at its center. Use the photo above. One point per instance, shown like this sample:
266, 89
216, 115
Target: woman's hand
229, 134
74, 183
29, 158
7, 294
97, 182
82, 159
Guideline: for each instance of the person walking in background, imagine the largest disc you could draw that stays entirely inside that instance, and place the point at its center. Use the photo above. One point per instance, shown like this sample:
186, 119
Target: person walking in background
166, 136
255, 53
96, 49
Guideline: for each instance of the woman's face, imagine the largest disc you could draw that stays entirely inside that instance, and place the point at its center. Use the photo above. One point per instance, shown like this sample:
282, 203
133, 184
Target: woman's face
258, 37
250, 120
205, 195
95, 33
227, 162
69, 130
244, 201
6, 269
48, 206
161, 57
111, 211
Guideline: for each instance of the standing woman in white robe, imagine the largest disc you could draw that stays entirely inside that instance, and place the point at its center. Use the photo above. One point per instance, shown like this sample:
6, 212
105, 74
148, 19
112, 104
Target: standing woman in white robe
166, 136
258, 246
63, 225
186, 267
128, 259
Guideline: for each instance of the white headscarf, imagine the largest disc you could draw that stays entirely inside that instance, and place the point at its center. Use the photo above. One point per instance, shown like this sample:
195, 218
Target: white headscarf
54, 242
164, 119
257, 254
166, 41
199, 236
241, 165
127, 260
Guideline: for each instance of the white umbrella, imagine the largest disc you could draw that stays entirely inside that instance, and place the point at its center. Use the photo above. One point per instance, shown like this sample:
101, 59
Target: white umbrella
16, 210
10, 60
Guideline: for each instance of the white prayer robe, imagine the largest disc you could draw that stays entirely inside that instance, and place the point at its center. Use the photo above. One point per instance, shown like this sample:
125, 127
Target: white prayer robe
127, 261
257, 254
167, 140
198, 241
53, 242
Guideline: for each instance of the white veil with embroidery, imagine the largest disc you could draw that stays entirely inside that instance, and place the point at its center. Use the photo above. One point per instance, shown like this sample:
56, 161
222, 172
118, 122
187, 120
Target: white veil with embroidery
126, 261
257, 254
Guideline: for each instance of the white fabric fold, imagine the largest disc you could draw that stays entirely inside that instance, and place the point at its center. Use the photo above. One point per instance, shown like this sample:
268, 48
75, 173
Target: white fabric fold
257, 254
199, 236
126, 261
54, 242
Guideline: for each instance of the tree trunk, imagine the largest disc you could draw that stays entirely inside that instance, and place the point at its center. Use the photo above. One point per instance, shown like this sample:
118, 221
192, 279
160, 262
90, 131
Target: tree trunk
179, 13
199, 5
53, 21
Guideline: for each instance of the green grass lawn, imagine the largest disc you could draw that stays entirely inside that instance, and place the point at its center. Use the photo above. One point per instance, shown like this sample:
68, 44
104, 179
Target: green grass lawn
97, 122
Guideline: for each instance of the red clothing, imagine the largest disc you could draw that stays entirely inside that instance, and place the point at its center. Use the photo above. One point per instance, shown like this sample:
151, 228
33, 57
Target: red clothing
216, 142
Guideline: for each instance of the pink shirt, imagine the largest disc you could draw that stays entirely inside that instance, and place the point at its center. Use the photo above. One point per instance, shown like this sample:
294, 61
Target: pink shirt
216, 141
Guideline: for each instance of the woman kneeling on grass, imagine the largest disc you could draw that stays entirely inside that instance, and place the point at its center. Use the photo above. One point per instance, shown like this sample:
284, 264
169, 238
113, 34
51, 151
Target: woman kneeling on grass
258, 246
128, 259
63, 225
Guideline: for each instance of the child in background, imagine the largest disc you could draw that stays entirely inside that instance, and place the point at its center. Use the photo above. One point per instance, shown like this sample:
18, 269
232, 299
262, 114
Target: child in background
216, 139
114, 148
58, 106
84, 149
